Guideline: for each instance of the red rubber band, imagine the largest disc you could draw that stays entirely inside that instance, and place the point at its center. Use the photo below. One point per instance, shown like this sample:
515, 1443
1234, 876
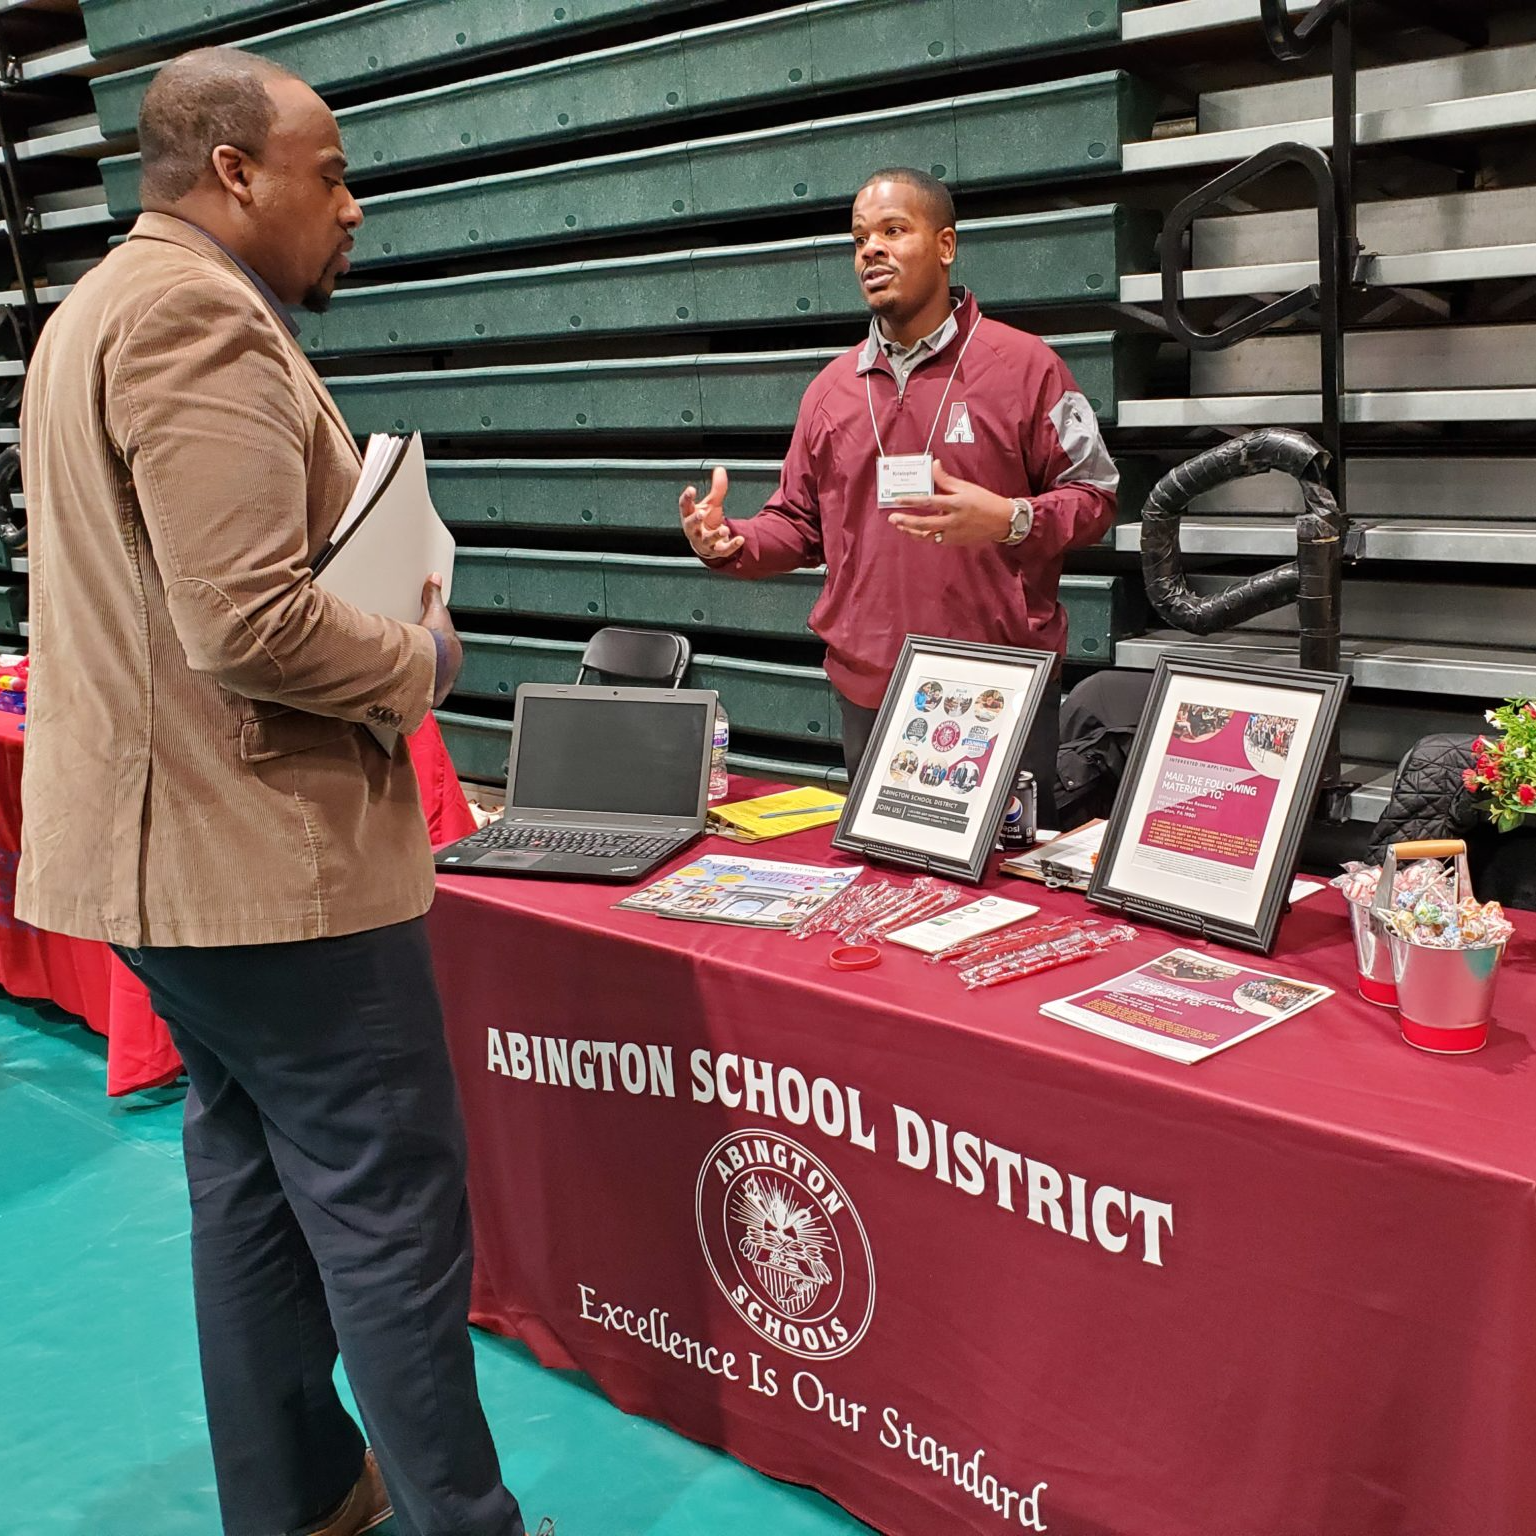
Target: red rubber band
854, 957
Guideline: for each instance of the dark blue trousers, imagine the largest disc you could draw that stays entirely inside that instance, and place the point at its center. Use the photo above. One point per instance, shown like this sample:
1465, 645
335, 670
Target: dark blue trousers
325, 1157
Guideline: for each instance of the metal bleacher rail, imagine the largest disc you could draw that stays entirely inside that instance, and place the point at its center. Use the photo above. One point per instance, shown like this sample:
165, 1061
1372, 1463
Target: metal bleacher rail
48, 142
1440, 392
603, 252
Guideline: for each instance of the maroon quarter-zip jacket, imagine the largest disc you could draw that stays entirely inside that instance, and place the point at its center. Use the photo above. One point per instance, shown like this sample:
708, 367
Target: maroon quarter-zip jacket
1013, 421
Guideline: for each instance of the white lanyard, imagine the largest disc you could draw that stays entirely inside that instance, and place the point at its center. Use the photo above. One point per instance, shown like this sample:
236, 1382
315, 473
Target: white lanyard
869, 394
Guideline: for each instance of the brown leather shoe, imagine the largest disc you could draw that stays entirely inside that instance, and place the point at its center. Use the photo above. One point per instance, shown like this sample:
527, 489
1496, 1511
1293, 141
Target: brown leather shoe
366, 1507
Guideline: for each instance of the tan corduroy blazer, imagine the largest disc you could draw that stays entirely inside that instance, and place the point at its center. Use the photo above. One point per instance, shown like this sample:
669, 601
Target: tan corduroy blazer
197, 771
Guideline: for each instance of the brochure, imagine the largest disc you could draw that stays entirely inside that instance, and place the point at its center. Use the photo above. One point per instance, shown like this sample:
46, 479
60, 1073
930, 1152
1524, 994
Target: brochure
1186, 1005
961, 923
752, 893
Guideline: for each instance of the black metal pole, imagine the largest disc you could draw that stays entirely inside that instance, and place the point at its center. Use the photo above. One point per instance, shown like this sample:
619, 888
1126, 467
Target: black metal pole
1322, 563
16, 230
1341, 252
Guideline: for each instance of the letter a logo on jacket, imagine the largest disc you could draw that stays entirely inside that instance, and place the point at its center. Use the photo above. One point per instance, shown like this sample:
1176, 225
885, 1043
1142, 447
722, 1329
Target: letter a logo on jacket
959, 428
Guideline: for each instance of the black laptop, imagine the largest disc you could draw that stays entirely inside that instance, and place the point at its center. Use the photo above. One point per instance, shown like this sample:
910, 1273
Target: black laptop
603, 784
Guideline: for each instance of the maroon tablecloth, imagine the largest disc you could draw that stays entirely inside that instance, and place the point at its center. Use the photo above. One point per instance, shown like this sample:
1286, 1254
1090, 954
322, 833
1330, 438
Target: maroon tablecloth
1287, 1292
88, 980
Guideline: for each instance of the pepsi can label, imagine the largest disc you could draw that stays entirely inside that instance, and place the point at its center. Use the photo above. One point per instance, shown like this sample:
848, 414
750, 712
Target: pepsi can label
1019, 818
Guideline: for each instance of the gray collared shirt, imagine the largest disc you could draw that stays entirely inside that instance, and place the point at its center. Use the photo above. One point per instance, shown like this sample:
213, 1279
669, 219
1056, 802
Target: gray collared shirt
258, 282
904, 359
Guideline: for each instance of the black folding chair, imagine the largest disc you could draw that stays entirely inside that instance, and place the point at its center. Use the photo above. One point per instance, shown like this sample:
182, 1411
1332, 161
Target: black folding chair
621, 657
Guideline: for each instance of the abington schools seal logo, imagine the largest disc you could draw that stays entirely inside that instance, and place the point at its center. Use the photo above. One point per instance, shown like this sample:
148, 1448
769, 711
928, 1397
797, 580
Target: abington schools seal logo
785, 1244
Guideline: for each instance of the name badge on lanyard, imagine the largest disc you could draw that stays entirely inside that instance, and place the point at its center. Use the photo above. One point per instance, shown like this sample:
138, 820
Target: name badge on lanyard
909, 474
902, 474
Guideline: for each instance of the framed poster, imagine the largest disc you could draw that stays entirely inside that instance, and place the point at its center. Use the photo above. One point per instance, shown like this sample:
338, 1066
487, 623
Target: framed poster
1221, 782
943, 756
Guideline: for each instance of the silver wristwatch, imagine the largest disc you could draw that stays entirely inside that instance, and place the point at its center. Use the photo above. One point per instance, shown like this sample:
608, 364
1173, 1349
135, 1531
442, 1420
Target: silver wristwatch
1021, 522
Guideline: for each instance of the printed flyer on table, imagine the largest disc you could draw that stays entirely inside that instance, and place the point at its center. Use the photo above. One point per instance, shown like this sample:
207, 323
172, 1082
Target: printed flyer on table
1187, 1006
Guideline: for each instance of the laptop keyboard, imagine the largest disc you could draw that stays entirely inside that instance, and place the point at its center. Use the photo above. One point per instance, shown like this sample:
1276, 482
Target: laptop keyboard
587, 842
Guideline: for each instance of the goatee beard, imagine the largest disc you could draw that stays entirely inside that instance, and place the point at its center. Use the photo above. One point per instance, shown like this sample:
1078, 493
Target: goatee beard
317, 300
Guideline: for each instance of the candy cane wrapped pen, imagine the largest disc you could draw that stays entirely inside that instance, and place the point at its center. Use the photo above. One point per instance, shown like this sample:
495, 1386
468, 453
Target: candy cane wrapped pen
1047, 956
928, 898
1002, 940
832, 913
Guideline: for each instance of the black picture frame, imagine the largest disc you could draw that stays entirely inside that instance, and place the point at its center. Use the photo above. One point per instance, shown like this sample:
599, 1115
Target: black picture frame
935, 828
1244, 912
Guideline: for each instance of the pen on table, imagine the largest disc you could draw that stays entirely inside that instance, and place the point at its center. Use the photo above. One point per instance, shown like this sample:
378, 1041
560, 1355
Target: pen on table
801, 810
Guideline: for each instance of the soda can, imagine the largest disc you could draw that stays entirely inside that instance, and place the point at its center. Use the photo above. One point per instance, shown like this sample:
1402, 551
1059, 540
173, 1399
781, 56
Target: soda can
1019, 829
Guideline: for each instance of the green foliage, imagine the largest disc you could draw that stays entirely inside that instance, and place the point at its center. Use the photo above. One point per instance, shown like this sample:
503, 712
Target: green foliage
1503, 771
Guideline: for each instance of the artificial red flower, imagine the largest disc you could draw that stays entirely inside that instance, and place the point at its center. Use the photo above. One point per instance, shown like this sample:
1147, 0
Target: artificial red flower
1527, 794
1486, 766
1480, 745
1469, 778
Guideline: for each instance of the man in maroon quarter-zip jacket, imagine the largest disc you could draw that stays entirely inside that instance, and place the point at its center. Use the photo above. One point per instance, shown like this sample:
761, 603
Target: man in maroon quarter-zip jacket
1020, 474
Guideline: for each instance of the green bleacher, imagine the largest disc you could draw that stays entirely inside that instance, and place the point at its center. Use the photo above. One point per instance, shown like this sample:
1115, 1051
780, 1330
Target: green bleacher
769, 698
566, 400
833, 45
587, 499
666, 590
585, 495
389, 38
741, 392
1027, 260
993, 138
122, 26
780, 700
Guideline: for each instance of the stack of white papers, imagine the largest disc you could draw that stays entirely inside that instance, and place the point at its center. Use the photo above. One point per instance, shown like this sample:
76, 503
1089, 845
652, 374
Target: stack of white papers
389, 538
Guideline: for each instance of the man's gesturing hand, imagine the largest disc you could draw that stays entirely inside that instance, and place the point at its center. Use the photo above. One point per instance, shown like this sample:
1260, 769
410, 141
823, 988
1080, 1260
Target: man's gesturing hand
704, 521
958, 512
450, 651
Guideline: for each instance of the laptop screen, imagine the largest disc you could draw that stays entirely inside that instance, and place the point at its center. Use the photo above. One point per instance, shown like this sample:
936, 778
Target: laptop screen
638, 757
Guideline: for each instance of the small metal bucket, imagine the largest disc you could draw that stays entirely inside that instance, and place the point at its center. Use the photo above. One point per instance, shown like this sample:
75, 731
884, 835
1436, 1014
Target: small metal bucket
1444, 996
1373, 956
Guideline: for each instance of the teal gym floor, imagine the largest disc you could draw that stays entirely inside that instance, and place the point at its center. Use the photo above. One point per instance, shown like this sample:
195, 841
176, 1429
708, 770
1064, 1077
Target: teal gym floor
101, 1414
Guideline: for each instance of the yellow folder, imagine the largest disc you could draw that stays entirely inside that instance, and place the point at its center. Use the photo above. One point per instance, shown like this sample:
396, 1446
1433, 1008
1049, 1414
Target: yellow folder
769, 816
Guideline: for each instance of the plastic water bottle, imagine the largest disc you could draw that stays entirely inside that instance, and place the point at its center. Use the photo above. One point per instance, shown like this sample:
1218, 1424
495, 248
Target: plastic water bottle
719, 777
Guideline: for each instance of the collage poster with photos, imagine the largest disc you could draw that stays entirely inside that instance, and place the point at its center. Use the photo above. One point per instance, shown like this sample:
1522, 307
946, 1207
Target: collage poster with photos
935, 775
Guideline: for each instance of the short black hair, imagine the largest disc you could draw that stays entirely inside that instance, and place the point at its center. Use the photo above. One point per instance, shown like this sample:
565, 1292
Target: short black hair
205, 98
940, 205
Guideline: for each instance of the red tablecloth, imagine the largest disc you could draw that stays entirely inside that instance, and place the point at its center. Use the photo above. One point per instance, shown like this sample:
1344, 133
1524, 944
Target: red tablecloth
1318, 1321
88, 979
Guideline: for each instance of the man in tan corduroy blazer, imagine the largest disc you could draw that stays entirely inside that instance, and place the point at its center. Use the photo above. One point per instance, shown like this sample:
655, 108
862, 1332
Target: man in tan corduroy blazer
201, 790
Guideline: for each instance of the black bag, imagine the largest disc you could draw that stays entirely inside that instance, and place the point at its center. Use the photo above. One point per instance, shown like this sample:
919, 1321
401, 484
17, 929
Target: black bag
1098, 723
1429, 801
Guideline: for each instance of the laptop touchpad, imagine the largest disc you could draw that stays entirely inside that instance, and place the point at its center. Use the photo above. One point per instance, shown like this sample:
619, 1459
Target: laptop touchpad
514, 858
